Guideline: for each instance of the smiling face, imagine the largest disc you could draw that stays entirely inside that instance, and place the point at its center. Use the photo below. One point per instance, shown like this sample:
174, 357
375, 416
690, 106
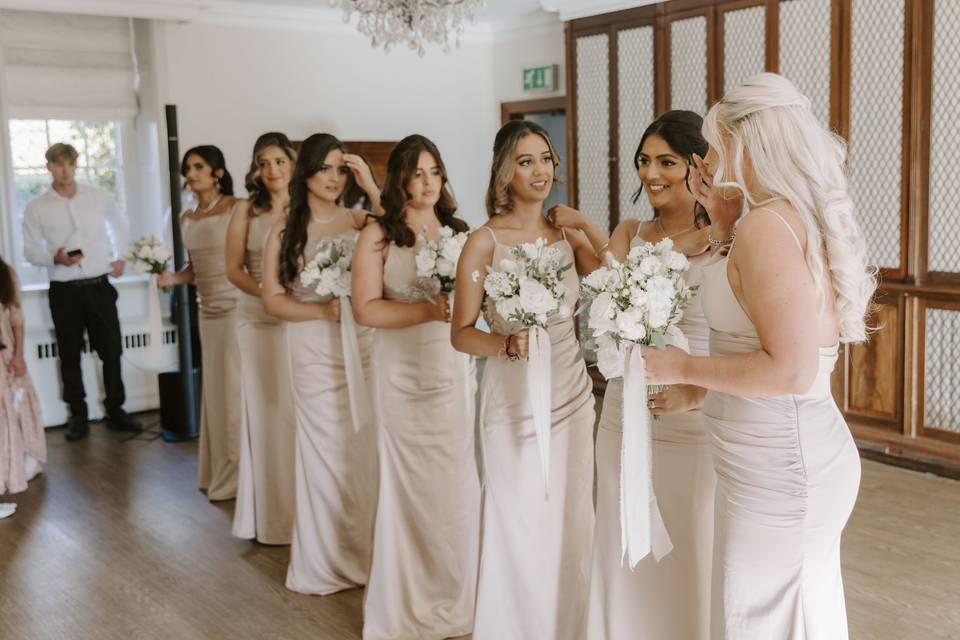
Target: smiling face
663, 173
275, 169
533, 169
423, 188
328, 183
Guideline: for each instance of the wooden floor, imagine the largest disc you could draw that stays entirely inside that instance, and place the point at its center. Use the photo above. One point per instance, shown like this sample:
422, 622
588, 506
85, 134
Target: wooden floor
115, 543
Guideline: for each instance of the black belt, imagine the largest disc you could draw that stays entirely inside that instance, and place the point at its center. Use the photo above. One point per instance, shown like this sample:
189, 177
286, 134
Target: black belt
83, 282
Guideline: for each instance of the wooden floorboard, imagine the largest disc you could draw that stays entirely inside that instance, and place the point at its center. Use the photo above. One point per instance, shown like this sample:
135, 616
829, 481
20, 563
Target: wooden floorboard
114, 542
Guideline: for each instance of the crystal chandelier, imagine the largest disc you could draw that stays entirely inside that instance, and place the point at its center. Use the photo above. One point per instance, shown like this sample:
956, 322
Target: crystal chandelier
389, 22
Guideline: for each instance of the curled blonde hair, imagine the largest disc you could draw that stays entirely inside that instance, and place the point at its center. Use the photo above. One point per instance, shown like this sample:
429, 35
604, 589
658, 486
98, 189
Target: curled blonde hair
795, 158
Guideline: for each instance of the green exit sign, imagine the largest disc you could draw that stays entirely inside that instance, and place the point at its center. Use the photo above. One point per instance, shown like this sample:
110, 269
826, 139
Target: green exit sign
540, 78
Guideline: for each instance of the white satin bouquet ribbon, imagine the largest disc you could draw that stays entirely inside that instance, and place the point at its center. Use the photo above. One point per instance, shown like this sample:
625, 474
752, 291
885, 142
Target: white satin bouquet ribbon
539, 384
642, 530
528, 289
357, 389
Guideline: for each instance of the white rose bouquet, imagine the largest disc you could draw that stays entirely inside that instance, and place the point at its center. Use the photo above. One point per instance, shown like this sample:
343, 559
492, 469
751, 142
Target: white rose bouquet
329, 270
148, 255
529, 289
437, 263
638, 301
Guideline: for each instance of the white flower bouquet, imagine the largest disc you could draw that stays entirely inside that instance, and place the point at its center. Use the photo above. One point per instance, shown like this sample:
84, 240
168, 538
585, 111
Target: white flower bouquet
148, 255
329, 270
637, 301
529, 289
437, 264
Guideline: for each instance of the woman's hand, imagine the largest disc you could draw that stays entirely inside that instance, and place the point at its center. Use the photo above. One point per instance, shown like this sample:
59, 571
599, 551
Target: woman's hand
724, 205
561, 216
663, 366
520, 344
166, 279
677, 398
441, 308
361, 171
330, 310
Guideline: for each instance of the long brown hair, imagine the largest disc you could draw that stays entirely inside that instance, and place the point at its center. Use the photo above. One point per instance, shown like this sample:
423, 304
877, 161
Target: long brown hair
499, 196
259, 195
9, 290
293, 241
401, 168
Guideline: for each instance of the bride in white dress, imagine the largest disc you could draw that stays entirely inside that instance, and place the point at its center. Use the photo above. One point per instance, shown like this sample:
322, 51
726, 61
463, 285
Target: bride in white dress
793, 285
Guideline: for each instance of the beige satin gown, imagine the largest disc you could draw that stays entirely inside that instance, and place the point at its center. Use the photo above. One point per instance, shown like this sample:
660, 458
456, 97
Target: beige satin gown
335, 467
535, 552
788, 473
670, 599
423, 580
219, 452
265, 495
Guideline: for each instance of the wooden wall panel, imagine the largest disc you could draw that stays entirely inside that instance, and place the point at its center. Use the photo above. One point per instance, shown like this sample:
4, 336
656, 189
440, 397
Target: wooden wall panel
873, 368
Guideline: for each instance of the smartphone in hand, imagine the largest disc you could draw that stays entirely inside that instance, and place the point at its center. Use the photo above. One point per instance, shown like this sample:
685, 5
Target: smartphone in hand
75, 252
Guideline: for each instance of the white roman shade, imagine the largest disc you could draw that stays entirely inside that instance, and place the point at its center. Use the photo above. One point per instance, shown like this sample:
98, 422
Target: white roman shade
65, 66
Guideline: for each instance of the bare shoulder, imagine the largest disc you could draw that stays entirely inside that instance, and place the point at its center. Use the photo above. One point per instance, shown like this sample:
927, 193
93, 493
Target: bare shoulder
361, 218
481, 238
772, 223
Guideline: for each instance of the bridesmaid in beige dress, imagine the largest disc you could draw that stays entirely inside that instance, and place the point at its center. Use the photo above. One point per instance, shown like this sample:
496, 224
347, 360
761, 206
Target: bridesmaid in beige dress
422, 582
793, 286
265, 498
204, 237
671, 598
335, 464
534, 570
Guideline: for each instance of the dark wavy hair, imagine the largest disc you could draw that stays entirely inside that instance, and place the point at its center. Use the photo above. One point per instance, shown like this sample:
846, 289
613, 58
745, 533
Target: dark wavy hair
499, 197
312, 157
259, 195
213, 157
9, 291
401, 169
353, 194
682, 131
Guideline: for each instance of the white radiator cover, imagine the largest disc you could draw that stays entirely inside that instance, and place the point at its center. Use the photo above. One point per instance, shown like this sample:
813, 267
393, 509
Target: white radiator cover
139, 376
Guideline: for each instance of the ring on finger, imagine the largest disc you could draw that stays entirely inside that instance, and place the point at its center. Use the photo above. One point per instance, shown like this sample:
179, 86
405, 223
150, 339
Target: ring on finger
651, 404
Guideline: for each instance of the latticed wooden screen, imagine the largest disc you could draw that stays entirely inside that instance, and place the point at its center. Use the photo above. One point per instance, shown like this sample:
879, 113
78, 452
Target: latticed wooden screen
805, 50
593, 127
743, 44
635, 73
688, 64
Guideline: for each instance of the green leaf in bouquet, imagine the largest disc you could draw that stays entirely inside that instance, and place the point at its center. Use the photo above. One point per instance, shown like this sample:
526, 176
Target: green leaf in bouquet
658, 341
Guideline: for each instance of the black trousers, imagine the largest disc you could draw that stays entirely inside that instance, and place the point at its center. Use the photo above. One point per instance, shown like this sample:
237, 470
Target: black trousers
89, 305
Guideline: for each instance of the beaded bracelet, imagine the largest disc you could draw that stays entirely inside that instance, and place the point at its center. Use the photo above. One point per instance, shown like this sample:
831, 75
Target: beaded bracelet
721, 243
511, 356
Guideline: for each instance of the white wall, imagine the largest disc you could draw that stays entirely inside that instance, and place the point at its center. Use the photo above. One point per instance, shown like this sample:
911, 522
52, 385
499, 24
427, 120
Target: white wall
231, 84
536, 46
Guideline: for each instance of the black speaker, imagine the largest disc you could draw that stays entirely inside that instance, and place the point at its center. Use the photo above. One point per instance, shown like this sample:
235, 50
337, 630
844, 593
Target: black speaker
176, 420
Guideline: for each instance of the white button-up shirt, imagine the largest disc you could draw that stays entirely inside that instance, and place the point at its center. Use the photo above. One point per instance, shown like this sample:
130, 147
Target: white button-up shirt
90, 221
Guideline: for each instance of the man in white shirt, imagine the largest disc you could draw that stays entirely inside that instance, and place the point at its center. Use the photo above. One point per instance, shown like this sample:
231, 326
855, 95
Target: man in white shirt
78, 233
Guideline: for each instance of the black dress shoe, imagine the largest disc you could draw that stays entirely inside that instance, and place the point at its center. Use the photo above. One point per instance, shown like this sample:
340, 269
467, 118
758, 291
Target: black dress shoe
78, 427
122, 421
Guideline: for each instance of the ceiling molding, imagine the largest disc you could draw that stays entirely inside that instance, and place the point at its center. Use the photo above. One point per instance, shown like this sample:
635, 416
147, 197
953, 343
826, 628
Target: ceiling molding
572, 9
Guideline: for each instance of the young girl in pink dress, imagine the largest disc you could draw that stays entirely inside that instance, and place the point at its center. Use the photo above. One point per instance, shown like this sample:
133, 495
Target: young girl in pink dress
22, 446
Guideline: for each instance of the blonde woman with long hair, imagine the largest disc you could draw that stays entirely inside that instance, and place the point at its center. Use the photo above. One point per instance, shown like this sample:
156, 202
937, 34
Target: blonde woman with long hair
793, 285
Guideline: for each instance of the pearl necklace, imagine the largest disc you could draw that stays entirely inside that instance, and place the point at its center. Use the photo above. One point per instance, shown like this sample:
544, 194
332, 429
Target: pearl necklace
208, 209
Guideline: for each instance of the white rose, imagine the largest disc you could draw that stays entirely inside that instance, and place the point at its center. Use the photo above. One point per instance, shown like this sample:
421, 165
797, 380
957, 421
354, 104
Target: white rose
506, 307
649, 265
630, 324
510, 266
638, 297
446, 268
536, 298
665, 245
596, 280
659, 315
532, 249
677, 261
425, 263
610, 357
602, 314
450, 249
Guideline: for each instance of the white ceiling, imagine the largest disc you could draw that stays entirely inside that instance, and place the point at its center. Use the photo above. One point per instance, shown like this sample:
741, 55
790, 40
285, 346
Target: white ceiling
495, 11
